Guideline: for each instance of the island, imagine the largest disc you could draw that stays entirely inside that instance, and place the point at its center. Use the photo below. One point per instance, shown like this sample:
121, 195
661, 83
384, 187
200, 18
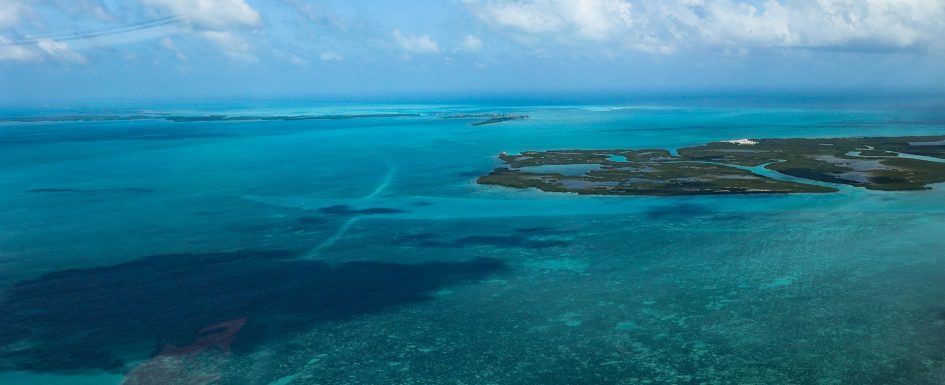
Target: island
487, 118
200, 118
742, 166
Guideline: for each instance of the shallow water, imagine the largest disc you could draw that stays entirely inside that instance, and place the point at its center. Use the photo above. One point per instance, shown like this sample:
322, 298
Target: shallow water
361, 251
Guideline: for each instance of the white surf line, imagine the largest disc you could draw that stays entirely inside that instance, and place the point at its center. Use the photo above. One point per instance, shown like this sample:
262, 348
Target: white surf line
343, 229
386, 182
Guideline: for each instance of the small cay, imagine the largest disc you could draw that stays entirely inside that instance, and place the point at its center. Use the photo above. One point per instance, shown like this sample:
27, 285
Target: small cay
486, 118
808, 166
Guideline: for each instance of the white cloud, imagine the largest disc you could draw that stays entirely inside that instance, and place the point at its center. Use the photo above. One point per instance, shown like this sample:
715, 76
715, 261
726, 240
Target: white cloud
95, 9
839, 24
169, 44
39, 51
471, 43
331, 56
666, 26
60, 51
534, 17
217, 22
297, 60
10, 52
10, 12
211, 14
585, 19
416, 44
231, 43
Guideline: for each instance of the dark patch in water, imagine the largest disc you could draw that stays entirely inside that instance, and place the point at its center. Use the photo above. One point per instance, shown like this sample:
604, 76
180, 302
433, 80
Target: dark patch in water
311, 220
54, 190
416, 237
348, 210
941, 315
309, 224
507, 241
133, 190
530, 230
542, 231
80, 319
512, 241
682, 209
208, 213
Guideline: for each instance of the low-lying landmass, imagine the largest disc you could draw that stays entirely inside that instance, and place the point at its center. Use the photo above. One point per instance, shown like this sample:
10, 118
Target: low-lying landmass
215, 118
488, 118
743, 166
481, 118
199, 118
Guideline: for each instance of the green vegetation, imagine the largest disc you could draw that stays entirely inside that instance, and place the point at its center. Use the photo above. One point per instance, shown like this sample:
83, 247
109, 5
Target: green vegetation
891, 164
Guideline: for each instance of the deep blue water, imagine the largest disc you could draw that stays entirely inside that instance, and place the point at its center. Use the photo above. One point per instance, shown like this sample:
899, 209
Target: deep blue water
146, 250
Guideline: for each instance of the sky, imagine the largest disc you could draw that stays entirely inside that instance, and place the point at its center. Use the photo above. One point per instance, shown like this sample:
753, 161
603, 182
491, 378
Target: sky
53, 50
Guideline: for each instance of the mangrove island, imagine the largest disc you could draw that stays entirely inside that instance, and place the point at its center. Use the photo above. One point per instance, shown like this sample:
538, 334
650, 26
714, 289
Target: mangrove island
742, 166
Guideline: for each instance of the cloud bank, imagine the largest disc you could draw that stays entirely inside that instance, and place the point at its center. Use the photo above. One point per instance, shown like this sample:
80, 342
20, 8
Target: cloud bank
210, 14
220, 23
415, 43
478, 44
667, 26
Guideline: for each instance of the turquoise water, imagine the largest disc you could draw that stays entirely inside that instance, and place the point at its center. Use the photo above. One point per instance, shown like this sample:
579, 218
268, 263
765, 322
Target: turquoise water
361, 251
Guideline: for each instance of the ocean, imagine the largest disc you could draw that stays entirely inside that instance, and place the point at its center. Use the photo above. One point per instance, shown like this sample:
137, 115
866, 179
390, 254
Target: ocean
239, 243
